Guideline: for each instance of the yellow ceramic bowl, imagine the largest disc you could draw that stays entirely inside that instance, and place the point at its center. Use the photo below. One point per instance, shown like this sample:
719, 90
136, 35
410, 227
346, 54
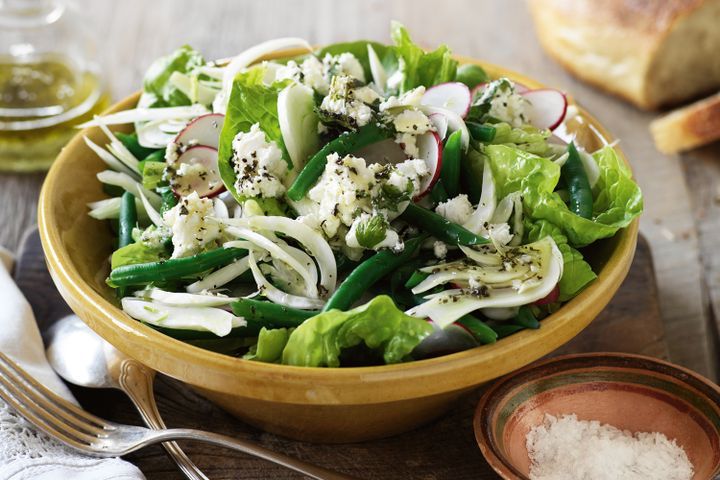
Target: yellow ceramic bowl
316, 404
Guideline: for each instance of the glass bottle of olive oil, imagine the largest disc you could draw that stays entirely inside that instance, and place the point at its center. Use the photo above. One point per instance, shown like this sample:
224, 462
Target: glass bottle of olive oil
48, 81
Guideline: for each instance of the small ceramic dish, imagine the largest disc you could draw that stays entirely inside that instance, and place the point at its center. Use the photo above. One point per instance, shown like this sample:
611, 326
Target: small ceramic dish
630, 392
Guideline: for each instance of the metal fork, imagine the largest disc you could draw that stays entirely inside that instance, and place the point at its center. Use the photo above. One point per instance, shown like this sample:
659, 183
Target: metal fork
83, 431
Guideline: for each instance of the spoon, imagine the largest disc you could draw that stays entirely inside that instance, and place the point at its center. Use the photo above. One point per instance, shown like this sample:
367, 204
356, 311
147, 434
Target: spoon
82, 357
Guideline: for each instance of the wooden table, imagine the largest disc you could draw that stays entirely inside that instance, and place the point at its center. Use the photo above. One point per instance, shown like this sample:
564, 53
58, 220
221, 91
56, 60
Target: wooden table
444, 449
681, 220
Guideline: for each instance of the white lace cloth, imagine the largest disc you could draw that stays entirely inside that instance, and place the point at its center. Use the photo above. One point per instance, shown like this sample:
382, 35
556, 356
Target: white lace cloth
26, 453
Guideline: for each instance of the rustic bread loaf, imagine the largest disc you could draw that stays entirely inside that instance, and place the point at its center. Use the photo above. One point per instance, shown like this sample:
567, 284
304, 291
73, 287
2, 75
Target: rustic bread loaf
651, 52
688, 127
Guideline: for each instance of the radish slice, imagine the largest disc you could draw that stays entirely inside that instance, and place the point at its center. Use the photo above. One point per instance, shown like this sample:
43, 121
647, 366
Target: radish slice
552, 297
547, 107
453, 96
203, 130
455, 122
430, 149
196, 170
519, 88
440, 123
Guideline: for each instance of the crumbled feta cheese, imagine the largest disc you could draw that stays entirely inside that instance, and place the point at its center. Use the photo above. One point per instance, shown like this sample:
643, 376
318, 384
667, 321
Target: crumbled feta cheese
191, 231
341, 101
310, 73
499, 233
412, 170
411, 98
440, 249
412, 121
258, 164
155, 237
344, 64
457, 210
505, 103
408, 142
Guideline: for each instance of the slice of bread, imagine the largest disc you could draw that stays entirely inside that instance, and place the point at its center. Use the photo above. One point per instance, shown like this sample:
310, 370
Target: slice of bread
651, 52
688, 127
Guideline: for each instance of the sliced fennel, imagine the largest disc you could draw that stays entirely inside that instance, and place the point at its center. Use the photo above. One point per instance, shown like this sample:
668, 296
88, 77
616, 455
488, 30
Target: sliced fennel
276, 295
126, 182
379, 74
110, 208
220, 277
541, 262
109, 158
488, 202
196, 91
204, 319
298, 125
147, 115
179, 299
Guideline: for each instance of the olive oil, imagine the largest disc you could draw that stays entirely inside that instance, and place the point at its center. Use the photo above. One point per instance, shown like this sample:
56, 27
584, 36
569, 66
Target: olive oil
42, 100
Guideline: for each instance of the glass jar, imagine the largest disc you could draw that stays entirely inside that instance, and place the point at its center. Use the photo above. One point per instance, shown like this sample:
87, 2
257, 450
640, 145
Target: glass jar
49, 81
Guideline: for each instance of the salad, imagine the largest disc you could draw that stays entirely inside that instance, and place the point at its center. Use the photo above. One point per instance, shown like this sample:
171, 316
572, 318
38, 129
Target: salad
358, 204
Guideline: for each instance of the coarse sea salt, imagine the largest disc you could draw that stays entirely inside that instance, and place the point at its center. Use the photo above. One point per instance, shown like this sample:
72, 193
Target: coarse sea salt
566, 448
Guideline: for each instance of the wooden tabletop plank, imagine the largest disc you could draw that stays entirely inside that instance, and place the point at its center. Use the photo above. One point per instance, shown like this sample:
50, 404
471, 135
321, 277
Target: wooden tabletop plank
134, 32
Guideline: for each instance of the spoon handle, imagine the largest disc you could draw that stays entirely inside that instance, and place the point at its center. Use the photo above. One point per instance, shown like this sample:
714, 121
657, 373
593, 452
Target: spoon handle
136, 380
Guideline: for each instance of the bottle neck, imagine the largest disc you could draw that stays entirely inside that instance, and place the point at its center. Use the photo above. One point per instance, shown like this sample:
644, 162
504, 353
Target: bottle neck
29, 13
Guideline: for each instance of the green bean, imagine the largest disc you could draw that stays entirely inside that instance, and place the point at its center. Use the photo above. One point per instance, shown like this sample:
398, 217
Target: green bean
156, 156
450, 170
481, 132
506, 329
130, 140
270, 315
471, 75
173, 269
479, 329
346, 143
471, 175
416, 278
573, 172
370, 272
438, 194
169, 200
128, 219
526, 318
439, 227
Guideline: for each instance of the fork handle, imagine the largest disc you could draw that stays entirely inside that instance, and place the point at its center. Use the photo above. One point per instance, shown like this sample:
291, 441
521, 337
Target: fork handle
312, 471
136, 380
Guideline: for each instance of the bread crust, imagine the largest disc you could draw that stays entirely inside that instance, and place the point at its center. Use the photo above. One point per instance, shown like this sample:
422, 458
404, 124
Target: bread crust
688, 127
612, 44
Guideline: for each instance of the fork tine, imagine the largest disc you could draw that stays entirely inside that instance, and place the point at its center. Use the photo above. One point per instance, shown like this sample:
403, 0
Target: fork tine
29, 411
34, 400
57, 403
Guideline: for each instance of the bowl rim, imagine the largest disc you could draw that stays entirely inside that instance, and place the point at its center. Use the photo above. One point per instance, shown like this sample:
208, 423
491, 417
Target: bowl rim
505, 355
634, 361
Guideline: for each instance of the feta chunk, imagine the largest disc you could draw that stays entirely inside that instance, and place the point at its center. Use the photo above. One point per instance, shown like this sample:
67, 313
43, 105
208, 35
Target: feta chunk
440, 249
191, 229
258, 164
310, 73
344, 64
412, 121
411, 98
412, 171
341, 101
408, 142
505, 103
457, 210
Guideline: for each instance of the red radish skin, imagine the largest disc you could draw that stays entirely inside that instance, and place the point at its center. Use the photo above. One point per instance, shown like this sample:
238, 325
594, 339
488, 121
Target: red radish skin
547, 107
430, 149
203, 130
453, 96
208, 185
551, 297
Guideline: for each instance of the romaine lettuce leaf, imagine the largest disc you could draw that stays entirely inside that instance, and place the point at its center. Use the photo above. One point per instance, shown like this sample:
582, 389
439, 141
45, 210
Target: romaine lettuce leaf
577, 273
421, 68
617, 198
157, 78
251, 101
319, 341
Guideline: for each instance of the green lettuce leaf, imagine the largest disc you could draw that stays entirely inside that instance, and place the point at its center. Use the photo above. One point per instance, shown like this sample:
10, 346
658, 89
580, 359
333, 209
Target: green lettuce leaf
617, 198
319, 341
419, 67
577, 273
270, 345
251, 101
136, 253
157, 78
385, 53
527, 138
